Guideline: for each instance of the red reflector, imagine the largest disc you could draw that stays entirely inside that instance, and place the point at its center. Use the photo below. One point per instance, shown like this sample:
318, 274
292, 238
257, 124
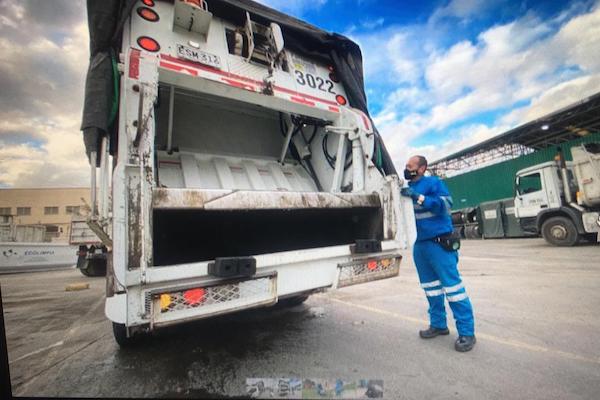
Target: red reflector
149, 3
330, 68
372, 265
147, 14
341, 100
148, 44
194, 296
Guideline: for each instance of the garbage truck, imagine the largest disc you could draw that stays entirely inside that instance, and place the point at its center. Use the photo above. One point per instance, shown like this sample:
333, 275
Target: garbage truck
235, 162
561, 199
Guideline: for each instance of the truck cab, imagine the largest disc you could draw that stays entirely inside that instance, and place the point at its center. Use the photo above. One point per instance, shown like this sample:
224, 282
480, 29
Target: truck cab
537, 188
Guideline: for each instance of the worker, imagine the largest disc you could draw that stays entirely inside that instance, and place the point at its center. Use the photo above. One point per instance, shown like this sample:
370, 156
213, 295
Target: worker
436, 255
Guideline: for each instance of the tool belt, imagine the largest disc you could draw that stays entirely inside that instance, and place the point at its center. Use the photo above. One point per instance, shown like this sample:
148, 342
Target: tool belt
449, 242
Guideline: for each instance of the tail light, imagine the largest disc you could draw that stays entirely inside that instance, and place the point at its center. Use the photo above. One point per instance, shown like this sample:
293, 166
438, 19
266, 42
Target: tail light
194, 296
148, 44
148, 14
341, 100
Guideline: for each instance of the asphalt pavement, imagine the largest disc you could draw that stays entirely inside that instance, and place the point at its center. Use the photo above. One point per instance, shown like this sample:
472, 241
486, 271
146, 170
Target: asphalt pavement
537, 324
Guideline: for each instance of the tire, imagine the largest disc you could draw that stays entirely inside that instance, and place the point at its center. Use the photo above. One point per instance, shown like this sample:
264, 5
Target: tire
560, 231
469, 232
120, 334
293, 301
95, 267
83, 265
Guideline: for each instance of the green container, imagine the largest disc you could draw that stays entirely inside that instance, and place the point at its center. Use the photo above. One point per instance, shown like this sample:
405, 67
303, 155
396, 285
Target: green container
512, 228
492, 221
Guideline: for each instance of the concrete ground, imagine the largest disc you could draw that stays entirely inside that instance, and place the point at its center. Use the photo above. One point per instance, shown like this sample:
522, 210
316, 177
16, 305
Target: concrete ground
537, 324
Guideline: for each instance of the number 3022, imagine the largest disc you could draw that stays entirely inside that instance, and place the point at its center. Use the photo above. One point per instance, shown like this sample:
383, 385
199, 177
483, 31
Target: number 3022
314, 82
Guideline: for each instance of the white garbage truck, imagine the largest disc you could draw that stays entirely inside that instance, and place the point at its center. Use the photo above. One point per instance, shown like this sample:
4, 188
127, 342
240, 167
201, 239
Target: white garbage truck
235, 160
561, 199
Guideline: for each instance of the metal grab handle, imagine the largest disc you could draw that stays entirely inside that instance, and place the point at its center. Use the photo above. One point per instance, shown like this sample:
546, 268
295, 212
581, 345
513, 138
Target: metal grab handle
93, 159
140, 123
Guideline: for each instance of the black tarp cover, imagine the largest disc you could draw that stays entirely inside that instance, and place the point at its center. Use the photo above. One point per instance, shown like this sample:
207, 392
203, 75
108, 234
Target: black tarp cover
106, 19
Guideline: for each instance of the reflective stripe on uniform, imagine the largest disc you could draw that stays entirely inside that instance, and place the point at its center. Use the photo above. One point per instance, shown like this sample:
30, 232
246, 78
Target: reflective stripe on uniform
430, 284
424, 215
447, 201
457, 297
453, 288
434, 293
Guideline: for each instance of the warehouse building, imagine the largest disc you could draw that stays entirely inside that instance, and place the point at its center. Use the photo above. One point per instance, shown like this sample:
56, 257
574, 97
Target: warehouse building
48, 208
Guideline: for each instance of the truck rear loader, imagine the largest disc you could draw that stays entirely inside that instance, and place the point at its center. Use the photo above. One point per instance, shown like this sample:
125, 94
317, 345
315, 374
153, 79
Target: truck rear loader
244, 167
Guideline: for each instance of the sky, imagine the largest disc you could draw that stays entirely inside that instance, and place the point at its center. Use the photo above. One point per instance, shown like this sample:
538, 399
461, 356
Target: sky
440, 75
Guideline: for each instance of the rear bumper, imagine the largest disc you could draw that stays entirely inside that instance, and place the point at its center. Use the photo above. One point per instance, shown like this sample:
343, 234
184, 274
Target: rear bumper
177, 294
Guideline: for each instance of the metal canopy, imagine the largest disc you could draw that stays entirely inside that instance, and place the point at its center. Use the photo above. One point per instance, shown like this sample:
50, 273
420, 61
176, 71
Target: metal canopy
572, 122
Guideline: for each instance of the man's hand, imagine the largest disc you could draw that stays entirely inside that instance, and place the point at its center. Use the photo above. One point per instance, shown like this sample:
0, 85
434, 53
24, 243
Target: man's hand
409, 192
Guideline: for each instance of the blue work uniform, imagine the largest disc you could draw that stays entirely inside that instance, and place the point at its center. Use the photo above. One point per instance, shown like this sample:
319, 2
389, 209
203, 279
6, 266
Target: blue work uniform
437, 267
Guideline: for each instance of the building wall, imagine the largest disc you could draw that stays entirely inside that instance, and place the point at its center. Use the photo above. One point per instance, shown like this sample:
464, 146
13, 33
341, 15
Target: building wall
496, 181
40, 198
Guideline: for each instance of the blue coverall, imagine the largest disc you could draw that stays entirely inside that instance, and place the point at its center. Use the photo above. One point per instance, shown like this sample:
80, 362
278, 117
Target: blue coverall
437, 267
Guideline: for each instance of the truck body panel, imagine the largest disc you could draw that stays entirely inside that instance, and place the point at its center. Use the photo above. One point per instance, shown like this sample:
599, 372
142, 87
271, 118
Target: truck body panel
586, 167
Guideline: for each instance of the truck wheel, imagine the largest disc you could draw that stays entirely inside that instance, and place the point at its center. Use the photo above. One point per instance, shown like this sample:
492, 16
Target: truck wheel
293, 301
83, 264
560, 231
96, 267
120, 334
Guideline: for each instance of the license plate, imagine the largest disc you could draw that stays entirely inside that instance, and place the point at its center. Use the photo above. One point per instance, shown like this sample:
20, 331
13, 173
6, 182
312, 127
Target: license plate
198, 56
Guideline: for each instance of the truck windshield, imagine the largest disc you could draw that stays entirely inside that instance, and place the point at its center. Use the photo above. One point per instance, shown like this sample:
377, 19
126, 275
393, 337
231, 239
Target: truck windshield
529, 183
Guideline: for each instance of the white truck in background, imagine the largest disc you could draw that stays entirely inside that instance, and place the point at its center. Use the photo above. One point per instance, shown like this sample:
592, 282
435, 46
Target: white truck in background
561, 199
242, 176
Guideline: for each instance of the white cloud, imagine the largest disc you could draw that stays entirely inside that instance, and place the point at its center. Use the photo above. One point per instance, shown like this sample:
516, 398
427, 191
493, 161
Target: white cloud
462, 9
42, 72
390, 55
526, 60
464, 137
555, 98
295, 7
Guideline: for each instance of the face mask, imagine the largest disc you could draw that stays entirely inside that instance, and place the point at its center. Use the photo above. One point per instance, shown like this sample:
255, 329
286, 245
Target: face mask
410, 175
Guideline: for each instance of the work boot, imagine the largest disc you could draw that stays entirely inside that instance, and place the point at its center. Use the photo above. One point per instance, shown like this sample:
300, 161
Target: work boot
432, 332
464, 343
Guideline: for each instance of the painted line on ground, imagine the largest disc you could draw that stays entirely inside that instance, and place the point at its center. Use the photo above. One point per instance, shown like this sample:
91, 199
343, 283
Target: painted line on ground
37, 351
508, 342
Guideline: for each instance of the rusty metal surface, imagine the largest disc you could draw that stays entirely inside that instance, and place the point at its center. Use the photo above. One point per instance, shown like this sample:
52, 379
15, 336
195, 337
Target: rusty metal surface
254, 200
